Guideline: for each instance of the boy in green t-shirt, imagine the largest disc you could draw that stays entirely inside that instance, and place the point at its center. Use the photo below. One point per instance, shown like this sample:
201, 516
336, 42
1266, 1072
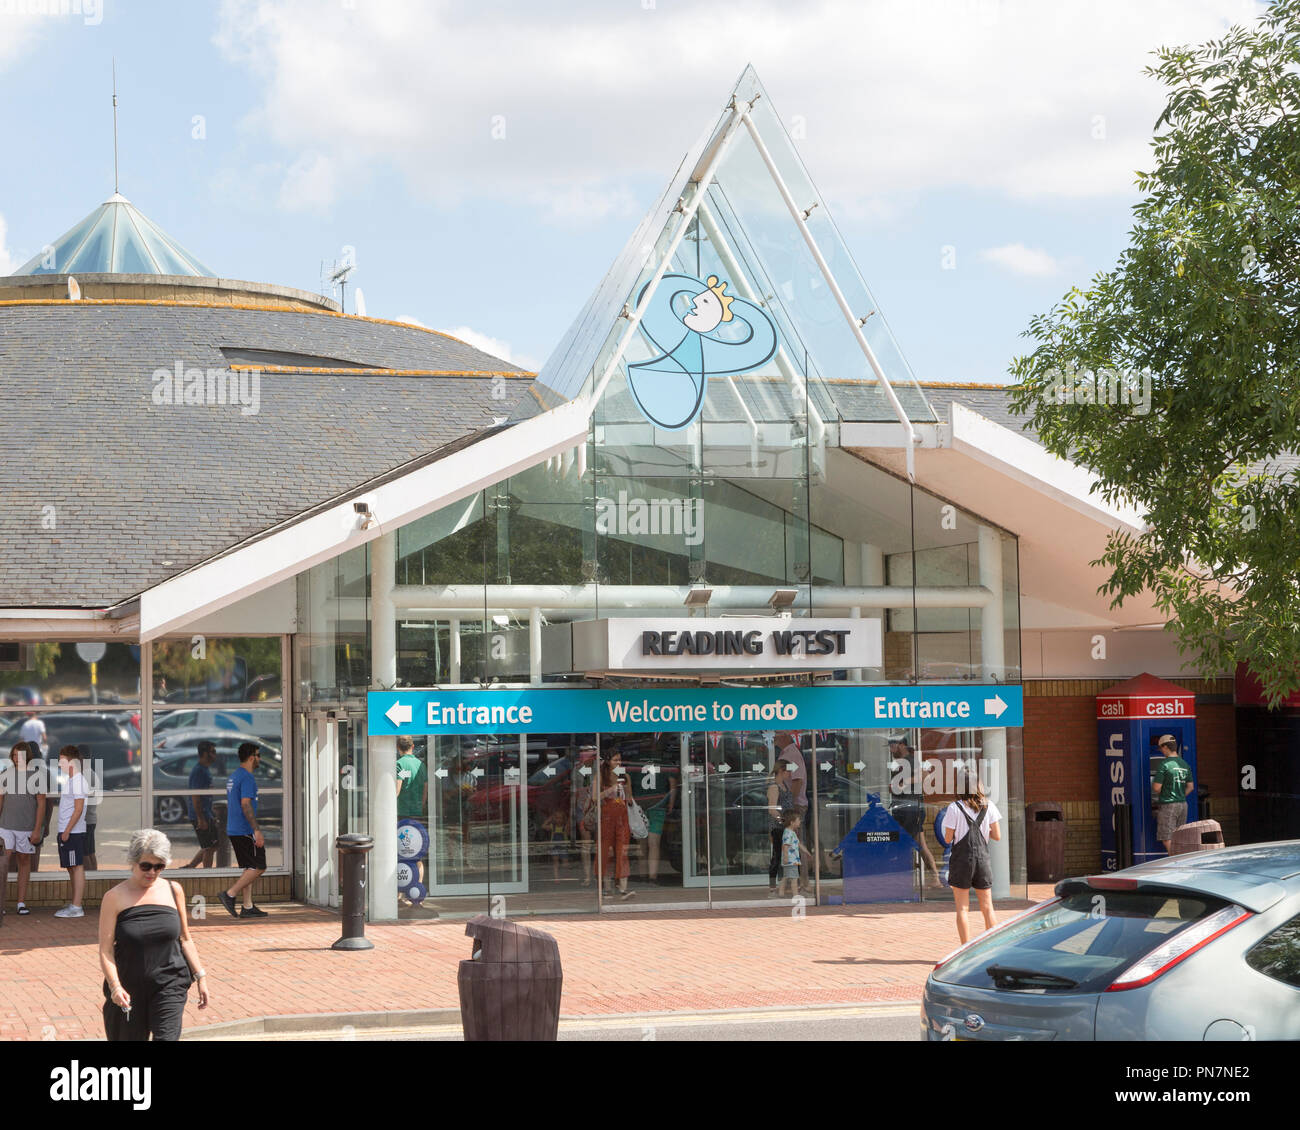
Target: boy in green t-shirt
412, 781
1170, 789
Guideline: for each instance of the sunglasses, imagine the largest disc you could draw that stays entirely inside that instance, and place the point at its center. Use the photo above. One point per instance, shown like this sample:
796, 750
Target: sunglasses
151, 866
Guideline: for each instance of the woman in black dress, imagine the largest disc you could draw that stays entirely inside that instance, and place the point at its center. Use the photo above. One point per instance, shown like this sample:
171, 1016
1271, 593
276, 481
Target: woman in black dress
145, 949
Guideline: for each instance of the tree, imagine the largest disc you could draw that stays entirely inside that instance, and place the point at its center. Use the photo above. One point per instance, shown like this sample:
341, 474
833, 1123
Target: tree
1202, 305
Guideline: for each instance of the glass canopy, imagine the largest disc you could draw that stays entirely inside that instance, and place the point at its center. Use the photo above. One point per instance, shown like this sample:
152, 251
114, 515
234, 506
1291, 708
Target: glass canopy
744, 325
116, 238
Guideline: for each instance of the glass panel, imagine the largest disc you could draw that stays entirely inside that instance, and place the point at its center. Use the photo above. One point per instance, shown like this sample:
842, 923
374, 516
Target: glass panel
1278, 955
66, 245
92, 255
188, 852
236, 669
68, 673
334, 640
109, 741
110, 824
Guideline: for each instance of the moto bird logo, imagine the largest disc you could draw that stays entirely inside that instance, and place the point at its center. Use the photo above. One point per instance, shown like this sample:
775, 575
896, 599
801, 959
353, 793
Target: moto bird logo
700, 331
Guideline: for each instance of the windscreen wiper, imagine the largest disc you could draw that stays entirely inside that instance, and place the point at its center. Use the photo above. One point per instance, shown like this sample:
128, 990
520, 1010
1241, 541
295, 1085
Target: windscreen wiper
1006, 976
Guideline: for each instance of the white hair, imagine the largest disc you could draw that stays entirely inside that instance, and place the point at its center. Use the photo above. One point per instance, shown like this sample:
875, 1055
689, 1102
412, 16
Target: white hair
148, 842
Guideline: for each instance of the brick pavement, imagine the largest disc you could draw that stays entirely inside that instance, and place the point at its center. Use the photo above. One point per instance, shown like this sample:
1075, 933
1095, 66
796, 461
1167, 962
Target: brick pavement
623, 963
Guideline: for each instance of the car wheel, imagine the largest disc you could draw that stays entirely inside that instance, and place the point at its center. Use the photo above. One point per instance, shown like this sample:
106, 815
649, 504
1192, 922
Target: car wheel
171, 810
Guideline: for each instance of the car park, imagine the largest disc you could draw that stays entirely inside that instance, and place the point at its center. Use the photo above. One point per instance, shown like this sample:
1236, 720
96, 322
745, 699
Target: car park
1200, 946
110, 743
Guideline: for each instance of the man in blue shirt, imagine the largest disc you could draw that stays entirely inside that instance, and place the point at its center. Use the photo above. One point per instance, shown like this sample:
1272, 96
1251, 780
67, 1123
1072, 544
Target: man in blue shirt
245, 836
202, 819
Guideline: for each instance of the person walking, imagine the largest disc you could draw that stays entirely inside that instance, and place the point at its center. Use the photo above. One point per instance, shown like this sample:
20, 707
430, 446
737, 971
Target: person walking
780, 801
1170, 789
615, 833
32, 732
243, 832
73, 795
22, 819
145, 949
969, 823
202, 817
907, 799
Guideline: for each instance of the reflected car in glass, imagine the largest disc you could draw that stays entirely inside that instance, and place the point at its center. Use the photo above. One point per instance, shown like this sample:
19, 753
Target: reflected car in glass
1201, 946
108, 740
175, 758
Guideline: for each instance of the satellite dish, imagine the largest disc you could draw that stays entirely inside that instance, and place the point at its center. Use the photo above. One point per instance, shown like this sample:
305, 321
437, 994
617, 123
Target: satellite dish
360, 300
74, 290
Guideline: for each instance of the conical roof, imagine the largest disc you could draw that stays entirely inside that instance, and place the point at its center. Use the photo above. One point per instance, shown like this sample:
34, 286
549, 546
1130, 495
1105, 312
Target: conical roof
116, 238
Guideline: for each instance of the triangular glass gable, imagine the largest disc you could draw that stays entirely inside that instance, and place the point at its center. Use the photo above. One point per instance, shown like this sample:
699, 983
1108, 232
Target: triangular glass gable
744, 246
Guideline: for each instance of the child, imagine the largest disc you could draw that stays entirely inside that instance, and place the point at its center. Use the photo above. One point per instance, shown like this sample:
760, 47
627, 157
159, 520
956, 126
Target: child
555, 830
977, 819
789, 853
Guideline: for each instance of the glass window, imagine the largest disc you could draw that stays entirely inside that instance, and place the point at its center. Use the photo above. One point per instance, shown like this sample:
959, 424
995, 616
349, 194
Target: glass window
217, 670
1278, 955
68, 673
1068, 944
109, 741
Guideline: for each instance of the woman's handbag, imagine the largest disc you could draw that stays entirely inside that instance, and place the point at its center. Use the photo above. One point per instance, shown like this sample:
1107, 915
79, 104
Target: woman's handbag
636, 821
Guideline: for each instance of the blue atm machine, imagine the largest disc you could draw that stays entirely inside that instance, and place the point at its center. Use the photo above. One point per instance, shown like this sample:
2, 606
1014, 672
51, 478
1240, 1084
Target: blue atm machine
1131, 717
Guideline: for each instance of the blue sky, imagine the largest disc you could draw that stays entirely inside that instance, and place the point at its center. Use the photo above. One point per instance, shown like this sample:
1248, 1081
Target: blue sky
488, 160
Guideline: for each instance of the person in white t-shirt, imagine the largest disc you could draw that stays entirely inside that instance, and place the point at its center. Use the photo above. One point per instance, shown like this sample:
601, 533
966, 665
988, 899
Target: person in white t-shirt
969, 823
73, 797
33, 733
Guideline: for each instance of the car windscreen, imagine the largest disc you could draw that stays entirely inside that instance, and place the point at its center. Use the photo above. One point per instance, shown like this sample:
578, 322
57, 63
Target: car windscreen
1079, 944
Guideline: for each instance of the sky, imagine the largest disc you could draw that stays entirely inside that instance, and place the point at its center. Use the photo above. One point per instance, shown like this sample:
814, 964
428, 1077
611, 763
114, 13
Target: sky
484, 162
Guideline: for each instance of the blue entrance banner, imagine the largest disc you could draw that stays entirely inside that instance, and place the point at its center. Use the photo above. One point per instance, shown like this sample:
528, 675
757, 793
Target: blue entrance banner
568, 711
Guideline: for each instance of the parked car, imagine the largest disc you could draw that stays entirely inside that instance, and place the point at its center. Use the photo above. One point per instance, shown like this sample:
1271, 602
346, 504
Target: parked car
20, 696
112, 744
263, 725
172, 768
1202, 946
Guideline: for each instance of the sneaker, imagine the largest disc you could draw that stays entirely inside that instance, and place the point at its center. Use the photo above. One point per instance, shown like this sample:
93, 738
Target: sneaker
772, 893
228, 903
625, 895
23, 908
253, 912
70, 912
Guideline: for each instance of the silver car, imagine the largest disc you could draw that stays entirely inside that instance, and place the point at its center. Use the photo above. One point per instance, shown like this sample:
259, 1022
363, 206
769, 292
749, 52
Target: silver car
1204, 946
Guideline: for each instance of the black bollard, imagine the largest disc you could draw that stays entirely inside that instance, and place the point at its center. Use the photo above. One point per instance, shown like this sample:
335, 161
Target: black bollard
353, 849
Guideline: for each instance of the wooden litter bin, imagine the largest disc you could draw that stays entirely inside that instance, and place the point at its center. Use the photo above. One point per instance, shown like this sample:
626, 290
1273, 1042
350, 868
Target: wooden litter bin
510, 987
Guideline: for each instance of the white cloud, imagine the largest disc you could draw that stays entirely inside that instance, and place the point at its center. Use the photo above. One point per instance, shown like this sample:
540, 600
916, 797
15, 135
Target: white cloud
1017, 97
1021, 260
493, 345
7, 261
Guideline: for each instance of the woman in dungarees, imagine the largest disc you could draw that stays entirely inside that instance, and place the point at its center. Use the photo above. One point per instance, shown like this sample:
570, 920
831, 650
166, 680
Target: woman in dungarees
970, 822
145, 949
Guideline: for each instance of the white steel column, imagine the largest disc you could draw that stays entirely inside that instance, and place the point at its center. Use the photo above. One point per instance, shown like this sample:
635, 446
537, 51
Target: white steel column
535, 646
454, 652
381, 758
993, 659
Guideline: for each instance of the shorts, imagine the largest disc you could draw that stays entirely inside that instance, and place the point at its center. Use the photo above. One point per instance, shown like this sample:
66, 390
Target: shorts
656, 818
207, 836
73, 853
21, 842
1169, 818
790, 871
247, 854
966, 874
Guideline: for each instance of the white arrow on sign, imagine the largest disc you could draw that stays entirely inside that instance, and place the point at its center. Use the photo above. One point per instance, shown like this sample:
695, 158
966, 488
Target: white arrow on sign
723, 767
585, 770
826, 765
398, 713
440, 772
549, 771
859, 765
994, 706
758, 767
476, 772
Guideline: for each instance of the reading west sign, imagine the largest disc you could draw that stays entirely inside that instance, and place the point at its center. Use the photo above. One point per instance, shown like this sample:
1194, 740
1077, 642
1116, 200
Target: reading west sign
725, 643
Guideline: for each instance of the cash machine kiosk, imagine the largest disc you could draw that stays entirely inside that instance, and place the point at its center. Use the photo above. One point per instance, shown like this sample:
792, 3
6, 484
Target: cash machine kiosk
1131, 718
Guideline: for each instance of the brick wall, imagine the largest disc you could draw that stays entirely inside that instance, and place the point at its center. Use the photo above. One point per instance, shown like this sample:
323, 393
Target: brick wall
46, 892
1060, 758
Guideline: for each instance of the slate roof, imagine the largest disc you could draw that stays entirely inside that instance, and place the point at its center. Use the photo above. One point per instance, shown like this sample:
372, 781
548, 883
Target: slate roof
134, 483
990, 401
